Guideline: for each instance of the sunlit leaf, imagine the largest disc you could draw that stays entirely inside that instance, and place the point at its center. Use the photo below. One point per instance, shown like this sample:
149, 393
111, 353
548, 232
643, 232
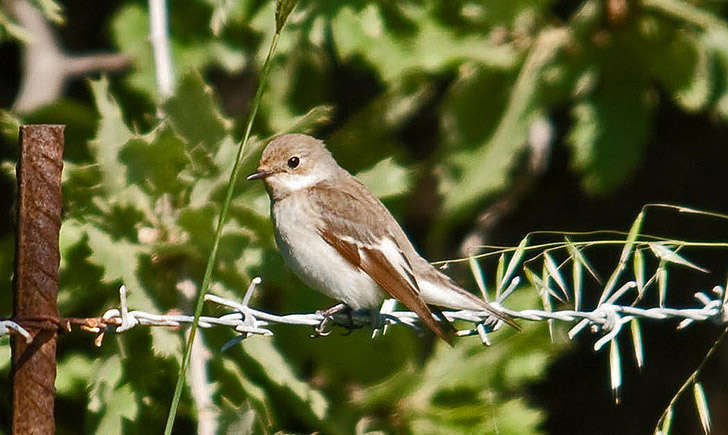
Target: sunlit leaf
666, 254
485, 170
661, 275
431, 47
689, 77
72, 374
111, 136
283, 9
9, 125
194, 114
386, 178
13, 30
512, 264
639, 270
499, 271
555, 274
609, 133
716, 39
615, 369
623, 257
477, 273
664, 428
637, 343
280, 373
51, 9
121, 404
702, 404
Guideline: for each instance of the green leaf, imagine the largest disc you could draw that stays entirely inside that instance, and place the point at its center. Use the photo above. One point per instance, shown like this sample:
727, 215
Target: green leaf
639, 271
477, 273
73, 374
386, 178
194, 114
683, 67
121, 405
716, 40
120, 261
308, 122
111, 136
637, 343
106, 375
5, 356
155, 162
543, 291
661, 276
191, 46
461, 389
577, 272
51, 9
165, 342
702, 404
485, 170
615, 369
664, 428
465, 121
283, 9
256, 394
389, 112
499, 271
300, 81
9, 126
280, 373
627, 249
554, 272
512, 264
608, 135
579, 257
14, 30
130, 31
667, 255
546, 280
430, 46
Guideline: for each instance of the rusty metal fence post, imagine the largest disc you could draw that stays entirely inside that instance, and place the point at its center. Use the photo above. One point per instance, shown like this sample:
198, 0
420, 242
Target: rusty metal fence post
35, 285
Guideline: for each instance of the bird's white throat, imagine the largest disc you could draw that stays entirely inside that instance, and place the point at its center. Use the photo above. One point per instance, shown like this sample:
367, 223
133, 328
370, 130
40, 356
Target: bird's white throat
286, 183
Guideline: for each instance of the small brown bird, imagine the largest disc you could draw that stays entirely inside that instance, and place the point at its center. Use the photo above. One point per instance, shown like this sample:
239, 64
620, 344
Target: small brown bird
342, 241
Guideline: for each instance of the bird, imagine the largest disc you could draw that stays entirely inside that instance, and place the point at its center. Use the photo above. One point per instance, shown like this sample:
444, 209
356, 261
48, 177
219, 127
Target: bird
339, 238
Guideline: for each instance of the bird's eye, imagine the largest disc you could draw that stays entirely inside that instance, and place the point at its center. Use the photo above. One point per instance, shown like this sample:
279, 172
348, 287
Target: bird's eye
293, 162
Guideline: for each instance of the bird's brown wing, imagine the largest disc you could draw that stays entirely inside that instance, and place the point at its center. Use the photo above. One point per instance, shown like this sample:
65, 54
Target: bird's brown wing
373, 250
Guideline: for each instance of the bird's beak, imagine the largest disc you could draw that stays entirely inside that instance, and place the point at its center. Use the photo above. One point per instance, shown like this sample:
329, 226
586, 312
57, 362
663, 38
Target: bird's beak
259, 174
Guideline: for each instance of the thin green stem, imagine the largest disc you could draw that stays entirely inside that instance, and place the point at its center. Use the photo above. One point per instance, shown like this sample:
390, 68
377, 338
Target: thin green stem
691, 379
687, 12
561, 245
497, 250
690, 210
218, 233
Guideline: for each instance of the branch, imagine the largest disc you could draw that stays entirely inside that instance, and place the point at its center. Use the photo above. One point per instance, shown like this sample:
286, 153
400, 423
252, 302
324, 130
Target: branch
46, 67
159, 37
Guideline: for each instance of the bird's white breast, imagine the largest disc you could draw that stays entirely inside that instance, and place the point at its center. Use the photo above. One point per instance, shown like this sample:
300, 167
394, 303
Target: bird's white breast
316, 262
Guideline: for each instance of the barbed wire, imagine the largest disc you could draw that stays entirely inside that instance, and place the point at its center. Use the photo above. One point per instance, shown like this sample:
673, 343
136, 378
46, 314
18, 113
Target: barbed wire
607, 318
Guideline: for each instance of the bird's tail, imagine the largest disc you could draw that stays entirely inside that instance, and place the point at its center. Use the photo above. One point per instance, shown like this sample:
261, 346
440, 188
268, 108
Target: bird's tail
446, 293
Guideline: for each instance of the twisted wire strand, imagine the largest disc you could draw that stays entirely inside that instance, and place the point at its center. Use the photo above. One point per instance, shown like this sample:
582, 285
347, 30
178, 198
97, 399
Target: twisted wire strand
607, 318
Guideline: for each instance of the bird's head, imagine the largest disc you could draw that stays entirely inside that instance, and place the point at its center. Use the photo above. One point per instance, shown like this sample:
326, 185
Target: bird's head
293, 162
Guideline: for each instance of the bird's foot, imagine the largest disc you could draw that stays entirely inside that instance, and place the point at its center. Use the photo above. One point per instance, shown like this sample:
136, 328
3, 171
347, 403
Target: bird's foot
322, 330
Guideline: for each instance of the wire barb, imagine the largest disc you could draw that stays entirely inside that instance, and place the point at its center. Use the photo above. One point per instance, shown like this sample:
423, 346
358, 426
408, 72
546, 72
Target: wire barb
608, 318
8, 327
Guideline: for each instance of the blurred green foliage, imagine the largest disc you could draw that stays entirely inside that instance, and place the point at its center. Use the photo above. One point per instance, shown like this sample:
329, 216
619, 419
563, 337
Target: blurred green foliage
144, 178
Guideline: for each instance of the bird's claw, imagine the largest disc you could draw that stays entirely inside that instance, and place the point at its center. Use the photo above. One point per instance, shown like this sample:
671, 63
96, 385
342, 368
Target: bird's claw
321, 330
